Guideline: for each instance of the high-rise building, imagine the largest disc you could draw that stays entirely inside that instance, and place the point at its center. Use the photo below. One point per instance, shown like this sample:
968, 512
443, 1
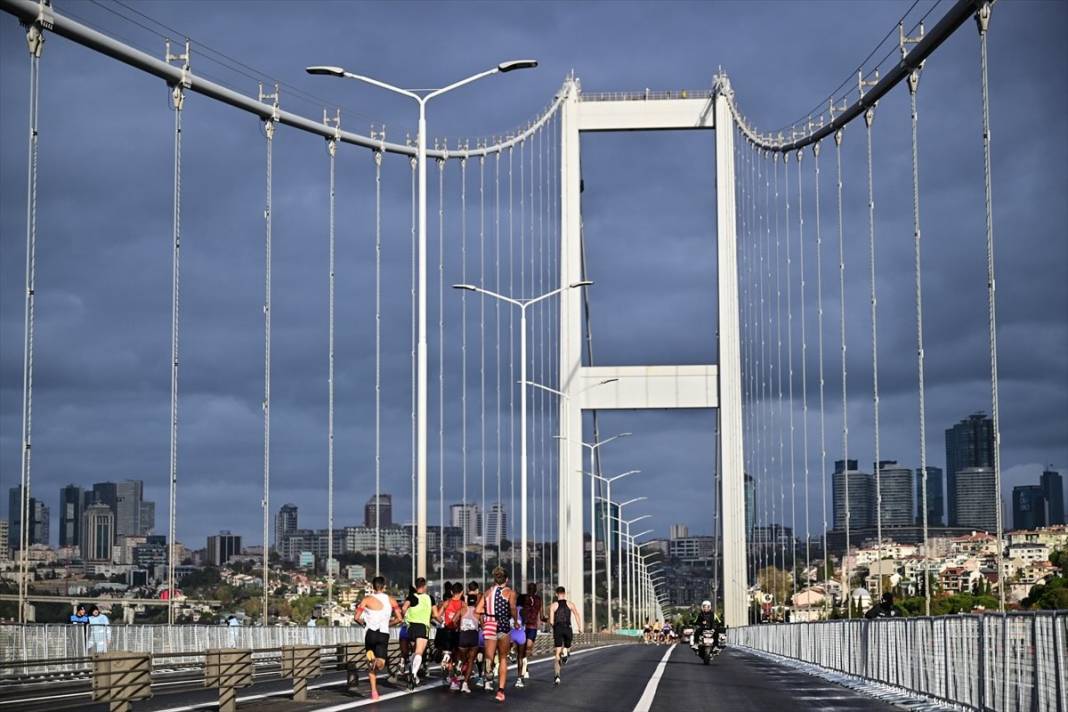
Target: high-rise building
105, 493
39, 520
1053, 488
495, 525
1028, 507
469, 518
977, 499
609, 523
285, 523
936, 501
5, 549
129, 495
98, 533
969, 443
70, 515
861, 496
222, 546
385, 511
678, 531
148, 517
750, 502
895, 486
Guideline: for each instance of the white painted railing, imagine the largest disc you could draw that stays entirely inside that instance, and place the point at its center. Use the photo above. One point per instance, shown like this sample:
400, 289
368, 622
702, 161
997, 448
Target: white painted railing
1011, 662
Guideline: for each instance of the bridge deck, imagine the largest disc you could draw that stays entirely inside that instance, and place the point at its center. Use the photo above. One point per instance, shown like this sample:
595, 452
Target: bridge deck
603, 680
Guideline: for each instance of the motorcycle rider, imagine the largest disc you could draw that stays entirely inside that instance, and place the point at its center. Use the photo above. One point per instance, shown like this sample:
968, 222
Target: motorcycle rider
705, 620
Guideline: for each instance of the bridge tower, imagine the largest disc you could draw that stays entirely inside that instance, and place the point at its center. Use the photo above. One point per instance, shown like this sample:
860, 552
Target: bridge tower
650, 387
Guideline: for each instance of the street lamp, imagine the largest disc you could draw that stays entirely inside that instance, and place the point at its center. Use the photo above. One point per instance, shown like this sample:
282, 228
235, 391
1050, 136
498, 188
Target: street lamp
632, 572
421, 358
593, 524
523, 304
567, 468
627, 524
607, 537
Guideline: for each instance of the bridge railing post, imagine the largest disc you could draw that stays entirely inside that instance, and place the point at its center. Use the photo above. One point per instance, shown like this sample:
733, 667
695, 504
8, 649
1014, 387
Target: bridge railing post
120, 679
228, 670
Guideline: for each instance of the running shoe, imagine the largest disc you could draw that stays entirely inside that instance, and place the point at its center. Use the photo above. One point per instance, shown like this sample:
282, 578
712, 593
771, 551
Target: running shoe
371, 656
564, 657
556, 681
519, 683
465, 689
500, 696
454, 685
526, 674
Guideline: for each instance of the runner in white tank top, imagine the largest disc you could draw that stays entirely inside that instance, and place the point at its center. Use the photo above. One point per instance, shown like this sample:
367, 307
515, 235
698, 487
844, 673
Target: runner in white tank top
377, 611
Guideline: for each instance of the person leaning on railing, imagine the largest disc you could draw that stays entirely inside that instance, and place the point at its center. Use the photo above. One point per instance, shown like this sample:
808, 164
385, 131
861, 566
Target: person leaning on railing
883, 609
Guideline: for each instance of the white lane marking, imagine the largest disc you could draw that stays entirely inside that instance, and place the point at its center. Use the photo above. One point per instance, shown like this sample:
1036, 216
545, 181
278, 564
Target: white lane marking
436, 685
646, 700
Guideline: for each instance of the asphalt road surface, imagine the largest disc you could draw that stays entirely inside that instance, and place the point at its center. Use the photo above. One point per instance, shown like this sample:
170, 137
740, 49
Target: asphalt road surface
622, 678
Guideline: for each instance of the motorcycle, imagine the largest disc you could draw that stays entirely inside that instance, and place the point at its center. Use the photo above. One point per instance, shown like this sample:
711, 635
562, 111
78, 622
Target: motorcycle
707, 647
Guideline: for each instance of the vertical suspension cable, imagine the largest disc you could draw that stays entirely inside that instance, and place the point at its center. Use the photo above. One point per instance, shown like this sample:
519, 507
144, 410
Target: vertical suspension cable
498, 520
412, 169
819, 329
983, 20
765, 359
35, 42
466, 511
441, 371
269, 125
331, 149
378, 368
804, 363
523, 291
869, 117
177, 100
913, 82
845, 390
778, 373
790, 374
482, 358
511, 362
465, 519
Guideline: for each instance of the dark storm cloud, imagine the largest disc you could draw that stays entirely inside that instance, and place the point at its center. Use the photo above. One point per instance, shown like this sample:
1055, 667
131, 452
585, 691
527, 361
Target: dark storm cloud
102, 383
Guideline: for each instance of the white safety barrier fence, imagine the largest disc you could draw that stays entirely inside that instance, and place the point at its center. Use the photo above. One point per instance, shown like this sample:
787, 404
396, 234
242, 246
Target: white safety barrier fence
1013, 662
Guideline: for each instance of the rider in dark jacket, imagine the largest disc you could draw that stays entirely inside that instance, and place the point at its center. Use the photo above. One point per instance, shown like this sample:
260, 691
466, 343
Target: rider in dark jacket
705, 620
883, 609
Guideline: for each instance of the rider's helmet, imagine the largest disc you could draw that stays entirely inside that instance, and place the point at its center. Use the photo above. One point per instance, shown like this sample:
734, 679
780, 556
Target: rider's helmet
706, 606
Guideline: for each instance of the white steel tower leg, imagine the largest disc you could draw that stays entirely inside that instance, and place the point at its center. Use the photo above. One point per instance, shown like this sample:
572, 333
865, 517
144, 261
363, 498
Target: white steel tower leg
571, 562
730, 404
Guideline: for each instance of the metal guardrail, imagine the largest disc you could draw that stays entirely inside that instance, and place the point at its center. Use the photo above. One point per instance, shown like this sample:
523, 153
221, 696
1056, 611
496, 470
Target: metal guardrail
647, 95
1012, 662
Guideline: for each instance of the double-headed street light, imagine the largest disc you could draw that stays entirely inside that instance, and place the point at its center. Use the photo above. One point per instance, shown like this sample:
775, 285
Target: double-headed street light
421, 353
607, 499
632, 572
567, 468
523, 304
592, 447
626, 523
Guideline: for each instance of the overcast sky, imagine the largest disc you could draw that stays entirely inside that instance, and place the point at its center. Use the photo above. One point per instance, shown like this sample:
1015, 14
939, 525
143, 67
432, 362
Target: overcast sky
101, 371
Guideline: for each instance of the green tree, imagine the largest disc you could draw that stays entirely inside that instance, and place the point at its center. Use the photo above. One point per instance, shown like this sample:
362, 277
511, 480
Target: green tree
1050, 596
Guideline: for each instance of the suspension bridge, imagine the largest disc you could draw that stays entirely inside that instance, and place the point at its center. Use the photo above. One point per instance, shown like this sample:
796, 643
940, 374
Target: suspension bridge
506, 398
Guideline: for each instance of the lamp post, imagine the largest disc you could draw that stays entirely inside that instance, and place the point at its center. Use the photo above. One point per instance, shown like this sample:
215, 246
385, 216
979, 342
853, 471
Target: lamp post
607, 499
592, 447
625, 523
523, 304
421, 354
567, 468
632, 572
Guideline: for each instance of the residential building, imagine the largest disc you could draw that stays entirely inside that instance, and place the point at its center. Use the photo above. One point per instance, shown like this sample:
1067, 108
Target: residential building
861, 496
692, 548
98, 533
5, 548
355, 572
222, 546
71, 501
392, 540
969, 443
495, 525
976, 498
1053, 488
468, 517
384, 507
285, 523
306, 560
936, 500
1028, 507
895, 487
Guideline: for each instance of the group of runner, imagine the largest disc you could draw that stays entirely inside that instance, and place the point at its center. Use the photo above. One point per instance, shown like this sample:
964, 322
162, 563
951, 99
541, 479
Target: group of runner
659, 633
476, 631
